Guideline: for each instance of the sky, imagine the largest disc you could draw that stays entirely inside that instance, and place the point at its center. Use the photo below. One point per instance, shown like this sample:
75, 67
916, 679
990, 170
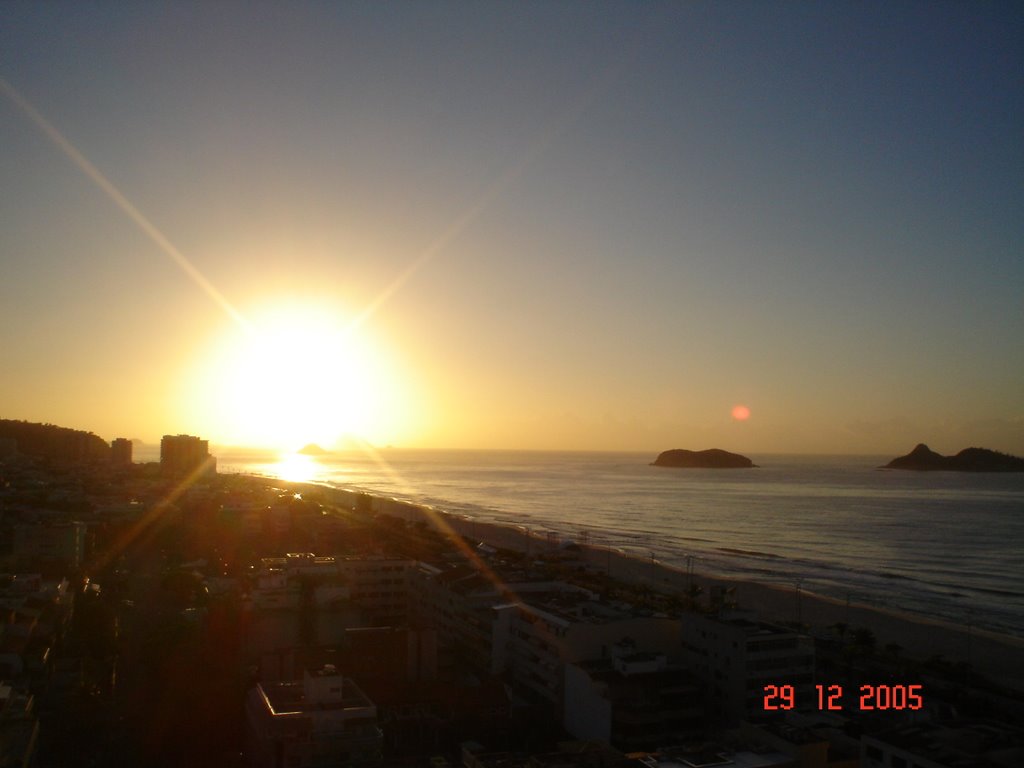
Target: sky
533, 225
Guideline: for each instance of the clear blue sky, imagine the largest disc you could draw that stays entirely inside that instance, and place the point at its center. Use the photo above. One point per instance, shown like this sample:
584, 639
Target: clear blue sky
564, 225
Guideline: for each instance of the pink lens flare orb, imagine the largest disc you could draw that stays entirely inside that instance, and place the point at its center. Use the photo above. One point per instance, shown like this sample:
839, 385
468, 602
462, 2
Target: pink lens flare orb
740, 412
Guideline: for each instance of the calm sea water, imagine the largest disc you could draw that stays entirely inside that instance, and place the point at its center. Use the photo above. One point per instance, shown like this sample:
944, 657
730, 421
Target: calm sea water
940, 544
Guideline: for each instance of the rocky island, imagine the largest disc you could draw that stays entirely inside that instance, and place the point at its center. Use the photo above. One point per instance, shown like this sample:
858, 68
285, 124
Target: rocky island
713, 458
924, 459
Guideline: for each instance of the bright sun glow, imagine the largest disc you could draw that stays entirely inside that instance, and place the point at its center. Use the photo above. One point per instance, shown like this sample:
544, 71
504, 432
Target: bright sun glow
297, 468
302, 375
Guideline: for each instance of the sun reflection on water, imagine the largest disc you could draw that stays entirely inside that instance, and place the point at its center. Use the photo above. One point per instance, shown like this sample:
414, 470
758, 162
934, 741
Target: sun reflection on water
296, 468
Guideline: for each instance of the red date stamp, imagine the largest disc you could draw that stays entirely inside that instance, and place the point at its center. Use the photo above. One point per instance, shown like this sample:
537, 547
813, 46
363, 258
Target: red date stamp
830, 697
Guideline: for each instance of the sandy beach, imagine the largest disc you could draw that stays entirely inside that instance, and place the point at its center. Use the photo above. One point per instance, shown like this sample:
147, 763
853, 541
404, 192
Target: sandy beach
1001, 657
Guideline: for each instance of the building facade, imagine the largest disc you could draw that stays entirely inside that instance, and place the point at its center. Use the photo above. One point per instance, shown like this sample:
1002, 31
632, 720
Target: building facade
121, 452
50, 546
634, 701
184, 455
322, 721
737, 656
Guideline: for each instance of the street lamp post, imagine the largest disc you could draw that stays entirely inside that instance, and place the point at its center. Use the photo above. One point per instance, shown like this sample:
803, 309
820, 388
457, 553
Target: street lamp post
799, 622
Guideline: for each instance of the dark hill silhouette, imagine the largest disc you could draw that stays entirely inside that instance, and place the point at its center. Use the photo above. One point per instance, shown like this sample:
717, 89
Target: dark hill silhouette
924, 459
713, 458
55, 443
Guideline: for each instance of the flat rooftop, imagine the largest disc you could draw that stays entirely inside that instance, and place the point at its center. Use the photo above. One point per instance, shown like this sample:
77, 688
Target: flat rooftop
290, 699
967, 742
575, 608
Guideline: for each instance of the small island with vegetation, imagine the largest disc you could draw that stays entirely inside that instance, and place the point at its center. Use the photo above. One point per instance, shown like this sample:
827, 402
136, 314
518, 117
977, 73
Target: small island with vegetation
924, 459
713, 458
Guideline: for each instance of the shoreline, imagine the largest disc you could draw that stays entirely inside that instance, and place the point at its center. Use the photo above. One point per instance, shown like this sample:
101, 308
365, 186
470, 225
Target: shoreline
994, 654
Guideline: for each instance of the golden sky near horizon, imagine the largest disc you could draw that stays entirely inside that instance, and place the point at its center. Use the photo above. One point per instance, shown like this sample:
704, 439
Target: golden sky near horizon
765, 230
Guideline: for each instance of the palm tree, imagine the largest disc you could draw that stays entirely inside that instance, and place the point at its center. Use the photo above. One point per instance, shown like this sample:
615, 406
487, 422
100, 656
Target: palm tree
894, 650
864, 639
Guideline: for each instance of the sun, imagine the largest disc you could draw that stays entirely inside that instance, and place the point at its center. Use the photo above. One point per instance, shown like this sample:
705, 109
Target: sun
301, 373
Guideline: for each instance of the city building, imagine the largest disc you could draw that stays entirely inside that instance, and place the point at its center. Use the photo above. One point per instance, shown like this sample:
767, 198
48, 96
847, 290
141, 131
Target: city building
185, 455
529, 630
50, 547
397, 654
298, 600
633, 701
540, 633
380, 587
812, 745
953, 744
322, 720
458, 603
737, 656
301, 564
19, 727
716, 755
566, 755
121, 452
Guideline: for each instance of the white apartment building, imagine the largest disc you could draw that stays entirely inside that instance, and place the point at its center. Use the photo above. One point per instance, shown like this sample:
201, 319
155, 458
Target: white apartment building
529, 629
539, 634
738, 656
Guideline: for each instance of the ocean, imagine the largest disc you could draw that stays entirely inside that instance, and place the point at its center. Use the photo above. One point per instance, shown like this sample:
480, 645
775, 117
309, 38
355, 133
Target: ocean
939, 544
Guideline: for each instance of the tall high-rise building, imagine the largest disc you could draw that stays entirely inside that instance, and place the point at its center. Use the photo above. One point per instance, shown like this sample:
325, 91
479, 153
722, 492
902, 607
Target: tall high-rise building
121, 451
184, 455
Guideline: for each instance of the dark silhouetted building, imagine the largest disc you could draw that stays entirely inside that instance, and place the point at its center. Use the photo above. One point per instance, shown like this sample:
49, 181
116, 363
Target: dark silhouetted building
121, 451
54, 545
635, 701
185, 455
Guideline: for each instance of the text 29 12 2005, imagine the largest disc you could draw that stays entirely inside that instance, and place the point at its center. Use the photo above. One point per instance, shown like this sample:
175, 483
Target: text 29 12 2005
830, 697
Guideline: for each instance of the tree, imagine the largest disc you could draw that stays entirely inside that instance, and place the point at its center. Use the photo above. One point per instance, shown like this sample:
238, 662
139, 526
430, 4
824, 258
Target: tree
864, 640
